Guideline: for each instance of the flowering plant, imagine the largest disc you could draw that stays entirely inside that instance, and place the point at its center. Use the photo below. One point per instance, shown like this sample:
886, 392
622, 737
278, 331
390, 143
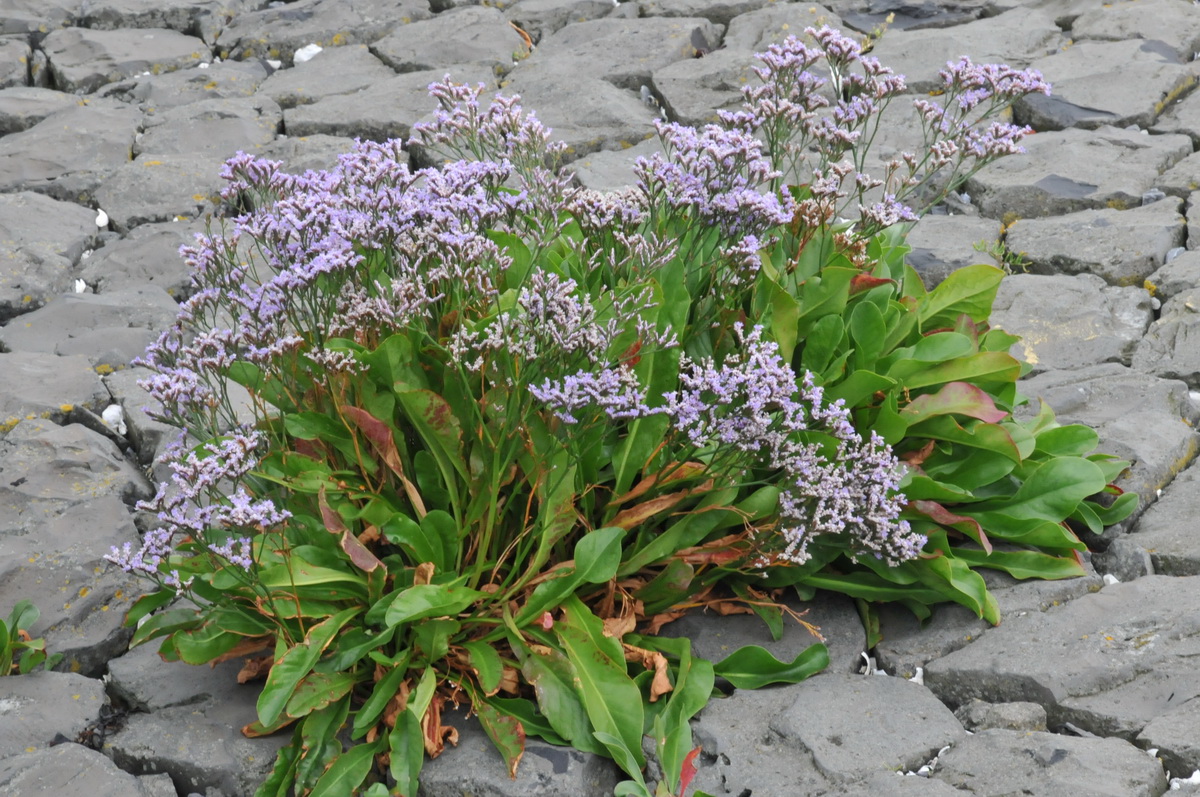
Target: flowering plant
498, 431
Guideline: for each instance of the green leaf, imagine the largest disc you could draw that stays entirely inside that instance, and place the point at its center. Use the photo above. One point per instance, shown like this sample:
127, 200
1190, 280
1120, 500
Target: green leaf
385, 689
955, 398
319, 743
439, 428
348, 771
318, 690
551, 676
290, 668
1074, 440
613, 702
859, 386
1121, 508
598, 554
970, 291
146, 604
1023, 564
976, 434
752, 667
785, 314
506, 733
431, 600
822, 344
867, 331
203, 644
406, 747
283, 773
486, 663
1050, 493
987, 366
300, 573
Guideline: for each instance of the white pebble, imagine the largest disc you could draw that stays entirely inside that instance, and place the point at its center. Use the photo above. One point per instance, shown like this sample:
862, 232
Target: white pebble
80, 286
919, 678
274, 64
114, 416
101, 219
1110, 579
306, 53
202, 66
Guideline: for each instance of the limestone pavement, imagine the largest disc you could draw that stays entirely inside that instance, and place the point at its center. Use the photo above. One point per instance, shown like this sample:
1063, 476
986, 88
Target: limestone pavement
130, 106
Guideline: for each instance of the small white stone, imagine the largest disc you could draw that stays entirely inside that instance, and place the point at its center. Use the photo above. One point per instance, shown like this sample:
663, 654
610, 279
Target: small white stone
306, 53
86, 254
101, 219
274, 64
80, 286
924, 771
202, 66
1110, 579
919, 678
1155, 304
114, 416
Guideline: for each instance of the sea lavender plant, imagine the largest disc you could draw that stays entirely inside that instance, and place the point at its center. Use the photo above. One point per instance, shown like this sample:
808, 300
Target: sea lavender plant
456, 434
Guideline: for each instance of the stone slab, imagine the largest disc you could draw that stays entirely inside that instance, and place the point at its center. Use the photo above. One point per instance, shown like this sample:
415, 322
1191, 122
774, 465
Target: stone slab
67, 770
215, 127
539, 18
1122, 246
943, 244
205, 81
1167, 530
1058, 173
1169, 348
161, 187
474, 35
148, 255
82, 60
1176, 736
1180, 273
1108, 662
41, 241
46, 386
40, 705
1159, 20
336, 70
1070, 322
1050, 765
21, 107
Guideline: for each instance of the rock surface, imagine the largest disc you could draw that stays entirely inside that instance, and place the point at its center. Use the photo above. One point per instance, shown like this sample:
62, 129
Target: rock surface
131, 106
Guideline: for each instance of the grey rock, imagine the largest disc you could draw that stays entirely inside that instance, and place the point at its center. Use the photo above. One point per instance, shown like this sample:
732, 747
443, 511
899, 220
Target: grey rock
1158, 20
43, 386
980, 716
1070, 322
610, 170
907, 643
67, 770
109, 329
1091, 88
148, 435
718, 11
277, 31
1107, 662
742, 752
41, 240
159, 785
336, 70
213, 81
474, 35
1050, 765
695, 89
69, 153
39, 705
1122, 246
942, 245
539, 18
1193, 219
1183, 178
1017, 38
83, 60
219, 127
205, 18
22, 107
586, 113
1180, 274
1167, 529
714, 637
14, 62
1148, 421
754, 31
1169, 348
148, 255
36, 17
161, 187
1125, 559
387, 109
144, 682
1181, 117
857, 725
624, 52
1058, 174
56, 561
896, 784
1176, 735
475, 767
200, 745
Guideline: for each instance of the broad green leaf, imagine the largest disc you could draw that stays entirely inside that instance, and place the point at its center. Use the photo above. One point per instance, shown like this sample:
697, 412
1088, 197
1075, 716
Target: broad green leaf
869, 586
552, 678
672, 730
613, 702
976, 434
1074, 440
486, 663
924, 488
1121, 508
348, 771
955, 398
672, 584
1023, 564
506, 732
987, 366
283, 773
421, 543
439, 428
867, 331
165, 623
939, 347
317, 690
957, 581
1051, 492
597, 555
146, 604
859, 386
785, 313
822, 344
290, 668
406, 749
203, 644
385, 689
970, 291
430, 600
319, 743
1034, 532
533, 721
299, 573
751, 667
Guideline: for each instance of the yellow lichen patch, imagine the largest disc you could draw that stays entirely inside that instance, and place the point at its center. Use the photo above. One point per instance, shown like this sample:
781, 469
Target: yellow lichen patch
1150, 287
104, 369
83, 591
338, 39
152, 163
1175, 94
210, 85
26, 299
1117, 204
66, 407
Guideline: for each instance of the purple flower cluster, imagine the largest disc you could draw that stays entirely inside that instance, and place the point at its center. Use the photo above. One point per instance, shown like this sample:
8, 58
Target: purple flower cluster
614, 391
715, 173
751, 404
